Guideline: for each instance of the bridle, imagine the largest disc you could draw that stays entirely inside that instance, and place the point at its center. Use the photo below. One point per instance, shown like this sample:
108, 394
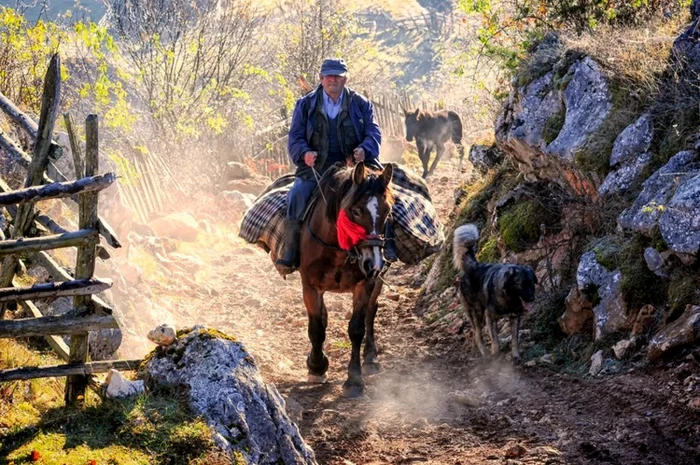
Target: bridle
354, 254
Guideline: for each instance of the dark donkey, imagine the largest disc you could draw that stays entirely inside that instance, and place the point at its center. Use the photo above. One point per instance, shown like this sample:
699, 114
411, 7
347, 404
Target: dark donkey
434, 129
341, 251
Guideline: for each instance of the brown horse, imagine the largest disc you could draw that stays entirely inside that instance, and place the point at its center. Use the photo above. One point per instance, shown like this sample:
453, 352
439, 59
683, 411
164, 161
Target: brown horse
433, 130
365, 197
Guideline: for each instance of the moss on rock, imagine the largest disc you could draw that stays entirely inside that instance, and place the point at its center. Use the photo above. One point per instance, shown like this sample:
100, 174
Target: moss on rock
519, 223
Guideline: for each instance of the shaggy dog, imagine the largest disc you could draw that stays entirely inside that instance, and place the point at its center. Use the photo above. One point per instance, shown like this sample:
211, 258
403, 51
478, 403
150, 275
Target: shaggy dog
490, 291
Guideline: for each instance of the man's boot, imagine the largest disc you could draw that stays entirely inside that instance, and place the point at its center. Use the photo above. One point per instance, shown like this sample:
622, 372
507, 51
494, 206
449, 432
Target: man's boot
290, 257
389, 243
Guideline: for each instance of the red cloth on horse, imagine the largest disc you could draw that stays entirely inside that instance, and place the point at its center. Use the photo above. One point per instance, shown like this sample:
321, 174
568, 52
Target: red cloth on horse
349, 232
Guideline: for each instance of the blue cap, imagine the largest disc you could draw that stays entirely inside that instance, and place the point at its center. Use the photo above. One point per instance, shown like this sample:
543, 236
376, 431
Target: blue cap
334, 67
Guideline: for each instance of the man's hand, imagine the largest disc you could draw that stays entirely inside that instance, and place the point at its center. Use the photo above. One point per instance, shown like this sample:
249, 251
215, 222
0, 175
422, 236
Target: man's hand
358, 154
310, 158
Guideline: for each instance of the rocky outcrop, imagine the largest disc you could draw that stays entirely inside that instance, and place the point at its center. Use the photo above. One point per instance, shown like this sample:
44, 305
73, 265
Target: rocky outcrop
223, 385
588, 102
581, 97
611, 312
680, 221
684, 330
629, 158
670, 199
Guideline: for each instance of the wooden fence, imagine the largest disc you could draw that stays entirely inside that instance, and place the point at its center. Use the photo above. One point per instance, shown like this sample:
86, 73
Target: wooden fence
90, 313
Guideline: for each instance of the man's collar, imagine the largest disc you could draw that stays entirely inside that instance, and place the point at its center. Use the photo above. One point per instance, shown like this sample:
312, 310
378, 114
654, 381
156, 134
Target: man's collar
329, 100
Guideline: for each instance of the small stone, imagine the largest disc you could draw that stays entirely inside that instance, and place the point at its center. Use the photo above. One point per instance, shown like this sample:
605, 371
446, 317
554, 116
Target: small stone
694, 404
596, 363
163, 335
118, 386
531, 363
515, 451
624, 348
465, 398
393, 296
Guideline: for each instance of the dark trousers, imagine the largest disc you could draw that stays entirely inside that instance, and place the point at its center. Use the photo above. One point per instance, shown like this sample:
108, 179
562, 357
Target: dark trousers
298, 197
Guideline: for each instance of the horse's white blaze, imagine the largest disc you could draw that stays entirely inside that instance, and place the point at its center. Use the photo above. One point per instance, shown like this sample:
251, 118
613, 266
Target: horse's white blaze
373, 208
377, 256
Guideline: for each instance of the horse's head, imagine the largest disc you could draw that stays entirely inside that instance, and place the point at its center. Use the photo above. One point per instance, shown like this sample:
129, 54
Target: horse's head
366, 205
412, 118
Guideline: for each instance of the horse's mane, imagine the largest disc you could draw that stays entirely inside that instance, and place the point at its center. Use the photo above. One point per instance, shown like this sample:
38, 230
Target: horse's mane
340, 192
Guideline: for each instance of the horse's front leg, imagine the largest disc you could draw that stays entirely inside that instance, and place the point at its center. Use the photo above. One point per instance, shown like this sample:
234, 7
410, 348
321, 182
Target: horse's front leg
370, 365
354, 386
423, 154
316, 362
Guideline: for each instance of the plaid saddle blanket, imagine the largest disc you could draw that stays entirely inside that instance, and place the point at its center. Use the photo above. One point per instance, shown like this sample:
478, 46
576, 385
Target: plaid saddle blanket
417, 228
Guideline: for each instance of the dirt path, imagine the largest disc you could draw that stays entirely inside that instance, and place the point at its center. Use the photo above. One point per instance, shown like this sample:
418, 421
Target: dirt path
411, 413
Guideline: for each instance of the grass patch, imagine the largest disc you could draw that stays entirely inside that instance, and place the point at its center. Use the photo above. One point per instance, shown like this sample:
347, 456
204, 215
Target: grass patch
488, 252
683, 290
152, 429
342, 344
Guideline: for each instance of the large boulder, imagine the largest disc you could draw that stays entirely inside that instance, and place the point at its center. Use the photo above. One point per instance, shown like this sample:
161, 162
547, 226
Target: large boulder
680, 221
588, 102
642, 216
629, 158
180, 226
611, 311
657, 191
223, 384
532, 110
685, 330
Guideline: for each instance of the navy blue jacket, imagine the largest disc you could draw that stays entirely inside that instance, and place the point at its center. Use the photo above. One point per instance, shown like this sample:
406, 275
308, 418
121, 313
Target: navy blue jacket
361, 113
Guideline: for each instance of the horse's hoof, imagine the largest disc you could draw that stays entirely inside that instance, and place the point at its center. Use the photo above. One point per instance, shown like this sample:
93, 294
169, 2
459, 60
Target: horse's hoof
317, 379
371, 368
321, 367
354, 390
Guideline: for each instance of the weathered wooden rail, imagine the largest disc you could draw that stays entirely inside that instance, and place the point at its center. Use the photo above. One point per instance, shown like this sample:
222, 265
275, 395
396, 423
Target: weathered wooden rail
89, 313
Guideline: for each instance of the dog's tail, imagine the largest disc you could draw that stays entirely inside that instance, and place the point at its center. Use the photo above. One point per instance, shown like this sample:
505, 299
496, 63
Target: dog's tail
465, 239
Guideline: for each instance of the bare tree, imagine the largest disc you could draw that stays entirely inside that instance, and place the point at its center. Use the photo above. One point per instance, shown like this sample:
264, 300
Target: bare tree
192, 58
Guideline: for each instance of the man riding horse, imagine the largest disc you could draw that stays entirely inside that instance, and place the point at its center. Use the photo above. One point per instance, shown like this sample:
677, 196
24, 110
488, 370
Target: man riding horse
331, 124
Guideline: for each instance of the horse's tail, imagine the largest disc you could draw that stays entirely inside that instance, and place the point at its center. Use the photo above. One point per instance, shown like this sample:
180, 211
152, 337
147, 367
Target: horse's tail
465, 239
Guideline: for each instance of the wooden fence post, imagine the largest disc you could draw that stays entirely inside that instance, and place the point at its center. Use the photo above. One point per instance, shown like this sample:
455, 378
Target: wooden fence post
85, 263
35, 172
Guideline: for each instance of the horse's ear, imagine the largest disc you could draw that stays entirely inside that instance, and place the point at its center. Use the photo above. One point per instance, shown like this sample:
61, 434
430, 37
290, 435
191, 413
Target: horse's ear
359, 174
387, 174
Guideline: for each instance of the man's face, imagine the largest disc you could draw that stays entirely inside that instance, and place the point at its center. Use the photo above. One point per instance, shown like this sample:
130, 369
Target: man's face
333, 85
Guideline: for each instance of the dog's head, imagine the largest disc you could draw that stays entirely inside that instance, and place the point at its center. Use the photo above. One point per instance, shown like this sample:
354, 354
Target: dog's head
520, 284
